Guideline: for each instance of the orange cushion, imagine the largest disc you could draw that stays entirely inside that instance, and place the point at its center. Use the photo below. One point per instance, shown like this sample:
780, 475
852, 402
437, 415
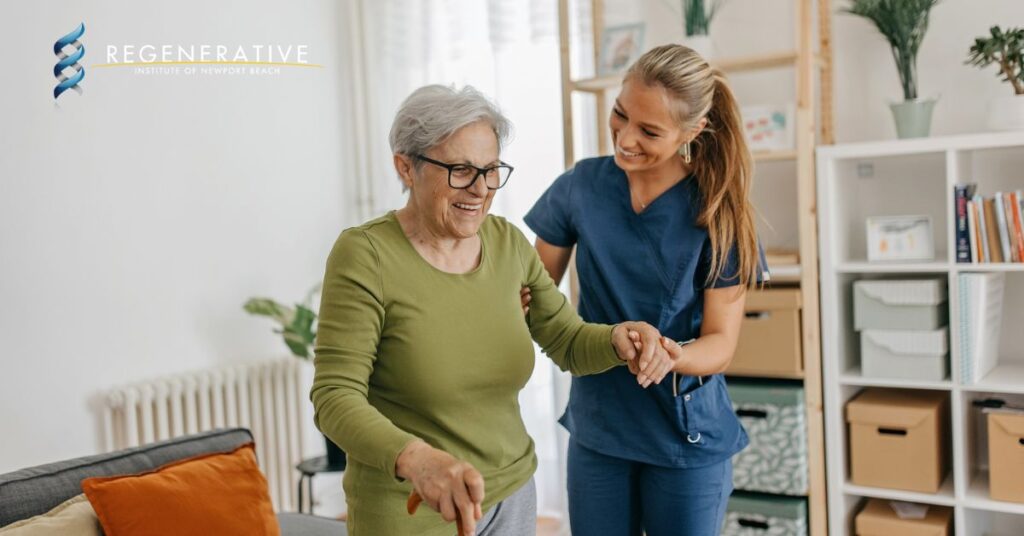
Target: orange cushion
219, 493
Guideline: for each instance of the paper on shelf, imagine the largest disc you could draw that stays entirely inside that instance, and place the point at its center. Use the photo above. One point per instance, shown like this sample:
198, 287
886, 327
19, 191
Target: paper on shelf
981, 309
907, 510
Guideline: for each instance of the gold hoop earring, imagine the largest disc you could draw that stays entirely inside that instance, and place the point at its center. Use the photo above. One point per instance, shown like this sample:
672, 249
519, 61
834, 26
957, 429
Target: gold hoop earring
684, 152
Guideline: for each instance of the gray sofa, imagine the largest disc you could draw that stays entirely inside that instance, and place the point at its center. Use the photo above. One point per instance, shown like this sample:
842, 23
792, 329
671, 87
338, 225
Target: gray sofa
36, 490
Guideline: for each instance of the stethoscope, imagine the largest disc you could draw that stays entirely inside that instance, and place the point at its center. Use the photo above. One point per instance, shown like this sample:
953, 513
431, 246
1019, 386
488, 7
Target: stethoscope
675, 391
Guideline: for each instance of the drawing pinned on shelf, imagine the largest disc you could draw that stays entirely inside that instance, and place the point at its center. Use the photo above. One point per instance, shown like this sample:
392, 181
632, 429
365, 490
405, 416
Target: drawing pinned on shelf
620, 47
900, 238
769, 128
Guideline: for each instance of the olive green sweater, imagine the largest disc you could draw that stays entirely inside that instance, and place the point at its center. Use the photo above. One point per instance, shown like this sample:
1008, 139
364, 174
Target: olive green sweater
406, 351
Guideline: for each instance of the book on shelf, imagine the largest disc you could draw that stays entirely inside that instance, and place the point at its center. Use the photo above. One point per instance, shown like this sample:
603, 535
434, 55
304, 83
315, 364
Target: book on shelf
988, 229
990, 223
961, 192
972, 230
1013, 208
984, 255
1004, 238
1020, 202
981, 313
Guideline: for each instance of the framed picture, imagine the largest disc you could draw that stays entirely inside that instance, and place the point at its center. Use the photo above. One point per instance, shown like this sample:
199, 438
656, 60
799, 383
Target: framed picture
769, 128
620, 47
900, 238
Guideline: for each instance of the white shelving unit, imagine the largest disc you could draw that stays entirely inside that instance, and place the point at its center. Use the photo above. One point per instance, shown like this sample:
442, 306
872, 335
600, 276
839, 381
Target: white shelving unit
914, 177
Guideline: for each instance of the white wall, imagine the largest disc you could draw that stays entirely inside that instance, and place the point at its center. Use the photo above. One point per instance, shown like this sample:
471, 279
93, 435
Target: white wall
136, 219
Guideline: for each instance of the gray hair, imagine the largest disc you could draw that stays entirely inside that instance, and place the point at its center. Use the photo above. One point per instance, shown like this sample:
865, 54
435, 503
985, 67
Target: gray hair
432, 113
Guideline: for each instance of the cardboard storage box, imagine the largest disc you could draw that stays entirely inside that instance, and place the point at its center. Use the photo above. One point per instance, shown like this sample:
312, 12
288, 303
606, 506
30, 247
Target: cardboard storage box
749, 514
769, 342
878, 518
915, 304
899, 439
914, 355
1006, 456
774, 418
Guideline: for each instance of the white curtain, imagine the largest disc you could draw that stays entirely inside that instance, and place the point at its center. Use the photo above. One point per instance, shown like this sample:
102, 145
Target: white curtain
508, 49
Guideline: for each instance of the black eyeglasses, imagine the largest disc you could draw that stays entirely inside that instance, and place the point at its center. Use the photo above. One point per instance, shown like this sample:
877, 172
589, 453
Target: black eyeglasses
462, 176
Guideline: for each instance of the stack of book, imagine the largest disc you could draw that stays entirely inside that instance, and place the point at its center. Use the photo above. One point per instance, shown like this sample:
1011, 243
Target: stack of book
981, 316
988, 229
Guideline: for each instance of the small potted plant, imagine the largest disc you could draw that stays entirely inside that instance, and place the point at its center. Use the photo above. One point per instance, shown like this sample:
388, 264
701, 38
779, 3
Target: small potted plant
297, 323
697, 15
903, 23
298, 329
1006, 50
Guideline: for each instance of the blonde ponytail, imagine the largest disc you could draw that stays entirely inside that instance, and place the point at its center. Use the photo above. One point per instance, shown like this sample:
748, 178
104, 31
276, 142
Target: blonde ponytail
721, 160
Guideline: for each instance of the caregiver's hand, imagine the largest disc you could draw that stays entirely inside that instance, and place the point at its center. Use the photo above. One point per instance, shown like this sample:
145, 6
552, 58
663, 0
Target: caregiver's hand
648, 360
673, 348
451, 486
524, 299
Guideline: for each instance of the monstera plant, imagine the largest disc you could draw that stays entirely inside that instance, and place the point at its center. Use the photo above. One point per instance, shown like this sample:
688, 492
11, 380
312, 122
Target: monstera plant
298, 329
297, 324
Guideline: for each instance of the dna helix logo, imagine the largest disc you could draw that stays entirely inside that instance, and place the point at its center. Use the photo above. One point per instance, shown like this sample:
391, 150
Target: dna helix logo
69, 61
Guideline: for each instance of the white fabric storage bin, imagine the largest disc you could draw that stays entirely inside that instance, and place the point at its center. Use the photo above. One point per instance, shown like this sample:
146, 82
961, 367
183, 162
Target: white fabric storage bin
773, 414
764, 515
900, 304
912, 355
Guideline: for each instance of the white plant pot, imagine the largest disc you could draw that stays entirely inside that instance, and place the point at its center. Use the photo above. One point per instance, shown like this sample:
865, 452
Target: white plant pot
1006, 113
701, 44
913, 117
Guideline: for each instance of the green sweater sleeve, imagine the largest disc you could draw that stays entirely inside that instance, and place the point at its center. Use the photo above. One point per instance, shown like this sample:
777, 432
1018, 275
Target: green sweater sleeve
573, 344
349, 329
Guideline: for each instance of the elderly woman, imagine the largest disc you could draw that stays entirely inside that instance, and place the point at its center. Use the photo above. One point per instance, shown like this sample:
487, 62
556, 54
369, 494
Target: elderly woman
423, 346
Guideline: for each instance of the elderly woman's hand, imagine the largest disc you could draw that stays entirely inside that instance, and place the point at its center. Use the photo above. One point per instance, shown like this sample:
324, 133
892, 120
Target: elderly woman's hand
648, 360
448, 485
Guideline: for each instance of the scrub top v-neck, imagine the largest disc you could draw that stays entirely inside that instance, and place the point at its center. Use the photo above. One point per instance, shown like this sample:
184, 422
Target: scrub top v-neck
650, 266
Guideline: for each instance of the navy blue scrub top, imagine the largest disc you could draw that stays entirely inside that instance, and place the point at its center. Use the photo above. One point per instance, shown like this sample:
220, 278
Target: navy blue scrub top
652, 267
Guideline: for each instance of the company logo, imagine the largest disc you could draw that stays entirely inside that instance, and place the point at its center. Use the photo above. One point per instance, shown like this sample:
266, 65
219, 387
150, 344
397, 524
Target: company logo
69, 62
207, 58
216, 59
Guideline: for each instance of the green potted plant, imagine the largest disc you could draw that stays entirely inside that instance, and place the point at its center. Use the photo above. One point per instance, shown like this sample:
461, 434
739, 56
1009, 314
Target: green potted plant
298, 330
1006, 50
903, 23
296, 323
697, 16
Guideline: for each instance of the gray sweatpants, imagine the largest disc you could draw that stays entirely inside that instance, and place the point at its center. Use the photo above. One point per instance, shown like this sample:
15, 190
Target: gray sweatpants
515, 516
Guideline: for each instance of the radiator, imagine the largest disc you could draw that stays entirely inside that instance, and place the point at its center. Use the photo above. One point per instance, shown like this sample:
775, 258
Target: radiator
266, 397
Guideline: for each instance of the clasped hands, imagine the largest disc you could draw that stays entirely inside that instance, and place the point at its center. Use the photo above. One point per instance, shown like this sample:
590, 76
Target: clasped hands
648, 355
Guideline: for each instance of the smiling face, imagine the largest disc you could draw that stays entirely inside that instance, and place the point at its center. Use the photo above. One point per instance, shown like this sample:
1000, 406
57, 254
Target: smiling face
447, 212
645, 134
